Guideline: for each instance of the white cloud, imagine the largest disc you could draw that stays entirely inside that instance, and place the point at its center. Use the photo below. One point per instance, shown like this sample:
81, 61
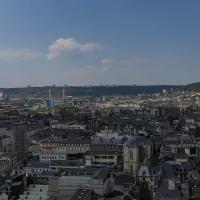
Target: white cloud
18, 54
70, 44
107, 61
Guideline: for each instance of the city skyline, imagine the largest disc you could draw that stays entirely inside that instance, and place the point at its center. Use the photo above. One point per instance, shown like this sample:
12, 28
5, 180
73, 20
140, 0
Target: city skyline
98, 42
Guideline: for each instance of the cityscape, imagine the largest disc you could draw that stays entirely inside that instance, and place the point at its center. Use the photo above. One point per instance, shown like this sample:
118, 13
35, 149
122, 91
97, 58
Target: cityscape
99, 100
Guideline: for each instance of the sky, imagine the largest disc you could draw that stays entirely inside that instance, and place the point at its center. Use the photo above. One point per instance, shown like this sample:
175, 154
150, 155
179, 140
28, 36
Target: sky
99, 42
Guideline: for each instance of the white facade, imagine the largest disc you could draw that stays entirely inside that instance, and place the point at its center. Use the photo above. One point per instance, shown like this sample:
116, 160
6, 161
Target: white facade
35, 192
64, 147
46, 158
131, 158
101, 159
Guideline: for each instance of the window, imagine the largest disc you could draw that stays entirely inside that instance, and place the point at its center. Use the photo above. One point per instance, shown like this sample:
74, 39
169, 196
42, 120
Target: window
131, 168
111, 157
96, 157
74, 174
131, 155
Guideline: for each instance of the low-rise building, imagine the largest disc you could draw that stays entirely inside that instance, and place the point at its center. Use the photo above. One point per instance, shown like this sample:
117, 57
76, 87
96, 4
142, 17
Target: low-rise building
35, 192
36, 167
96, 179
69, 146
47, 157
107, 158
8, 162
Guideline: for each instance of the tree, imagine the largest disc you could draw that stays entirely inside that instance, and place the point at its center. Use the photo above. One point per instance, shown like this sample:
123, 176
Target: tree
145, 193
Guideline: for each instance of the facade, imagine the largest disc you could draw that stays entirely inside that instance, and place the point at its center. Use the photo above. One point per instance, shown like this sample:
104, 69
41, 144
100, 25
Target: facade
131, 158
69, 146
7, 163
107, 158
110, 147
35, 192
194, 185
36, 168
20, 142
64, 164
72, 179
144, 175
47, 157
189, 144
5, 143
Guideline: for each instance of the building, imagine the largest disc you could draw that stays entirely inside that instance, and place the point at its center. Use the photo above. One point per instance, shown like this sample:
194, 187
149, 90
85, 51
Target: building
8, 162
35, 192
47, 157
20, 142
194, 185
131, 158
144, 175
84, 194
5, 143
35, 167
107, 158
71, 179
170, 187
71, 145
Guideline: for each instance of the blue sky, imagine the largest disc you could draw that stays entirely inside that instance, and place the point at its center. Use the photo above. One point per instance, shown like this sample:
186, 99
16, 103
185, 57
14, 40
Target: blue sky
92, 42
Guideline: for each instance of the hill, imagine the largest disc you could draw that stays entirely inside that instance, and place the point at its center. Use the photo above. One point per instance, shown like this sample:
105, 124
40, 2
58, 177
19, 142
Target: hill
193, 86
56, 91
